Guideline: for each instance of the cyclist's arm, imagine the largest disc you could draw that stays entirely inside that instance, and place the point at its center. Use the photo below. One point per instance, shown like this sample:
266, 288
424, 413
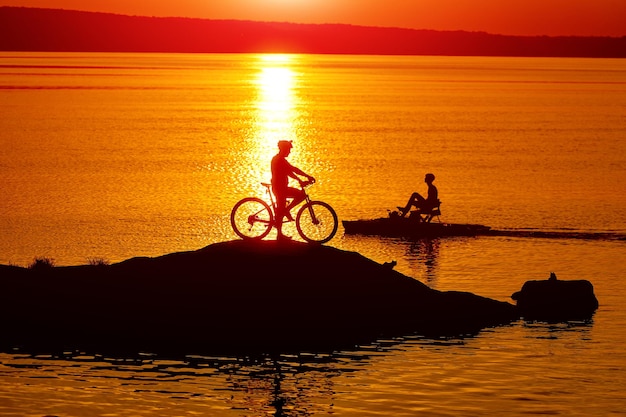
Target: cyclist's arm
297, 171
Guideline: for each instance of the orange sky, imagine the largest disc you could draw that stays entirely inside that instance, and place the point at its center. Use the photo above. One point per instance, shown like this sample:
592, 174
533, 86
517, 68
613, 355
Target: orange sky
511, 17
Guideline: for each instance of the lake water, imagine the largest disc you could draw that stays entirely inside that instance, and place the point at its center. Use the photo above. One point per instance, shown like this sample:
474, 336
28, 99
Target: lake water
111, 156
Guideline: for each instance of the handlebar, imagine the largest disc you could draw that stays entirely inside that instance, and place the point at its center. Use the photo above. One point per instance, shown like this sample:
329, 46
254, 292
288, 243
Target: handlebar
305, 184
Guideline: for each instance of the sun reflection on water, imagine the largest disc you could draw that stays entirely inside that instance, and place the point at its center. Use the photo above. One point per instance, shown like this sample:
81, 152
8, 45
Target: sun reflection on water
275, 111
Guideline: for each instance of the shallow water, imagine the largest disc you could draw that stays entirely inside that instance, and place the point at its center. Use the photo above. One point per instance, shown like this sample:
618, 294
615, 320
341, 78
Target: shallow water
111, 156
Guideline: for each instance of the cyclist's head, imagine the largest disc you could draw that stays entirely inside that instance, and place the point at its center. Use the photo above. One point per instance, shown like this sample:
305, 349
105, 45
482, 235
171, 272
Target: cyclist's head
429, 178
283, 145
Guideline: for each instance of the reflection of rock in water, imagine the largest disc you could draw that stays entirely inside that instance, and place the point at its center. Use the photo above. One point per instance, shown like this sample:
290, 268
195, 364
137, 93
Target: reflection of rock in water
426, 253
285, 385
233, 297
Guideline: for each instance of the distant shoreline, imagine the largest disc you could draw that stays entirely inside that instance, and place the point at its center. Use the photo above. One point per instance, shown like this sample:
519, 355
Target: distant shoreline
56, 30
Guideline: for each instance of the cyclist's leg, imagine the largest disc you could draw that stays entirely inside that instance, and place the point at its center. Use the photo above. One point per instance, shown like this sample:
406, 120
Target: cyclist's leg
297, 197
281, 202
414, 201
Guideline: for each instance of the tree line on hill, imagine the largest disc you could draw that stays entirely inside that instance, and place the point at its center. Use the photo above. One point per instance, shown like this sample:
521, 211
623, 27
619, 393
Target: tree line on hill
35, 29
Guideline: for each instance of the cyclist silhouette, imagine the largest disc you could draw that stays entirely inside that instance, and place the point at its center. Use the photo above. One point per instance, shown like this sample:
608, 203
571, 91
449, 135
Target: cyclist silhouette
282, 170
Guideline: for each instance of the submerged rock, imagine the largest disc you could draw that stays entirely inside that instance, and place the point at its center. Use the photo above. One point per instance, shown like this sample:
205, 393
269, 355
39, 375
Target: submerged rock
232, 297
556, 300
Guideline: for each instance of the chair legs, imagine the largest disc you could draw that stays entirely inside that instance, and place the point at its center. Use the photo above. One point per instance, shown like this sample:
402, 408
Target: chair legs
421, 216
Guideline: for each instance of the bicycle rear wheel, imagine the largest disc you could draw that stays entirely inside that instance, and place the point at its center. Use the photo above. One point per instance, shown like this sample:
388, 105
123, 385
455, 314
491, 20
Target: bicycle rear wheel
251, 218
317, 222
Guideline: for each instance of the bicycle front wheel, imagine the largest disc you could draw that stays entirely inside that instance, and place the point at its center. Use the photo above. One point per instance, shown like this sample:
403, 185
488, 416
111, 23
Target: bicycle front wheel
251, 218
317, 222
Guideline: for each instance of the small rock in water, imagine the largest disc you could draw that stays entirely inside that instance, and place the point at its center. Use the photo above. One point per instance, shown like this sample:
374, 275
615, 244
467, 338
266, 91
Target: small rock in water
556, 300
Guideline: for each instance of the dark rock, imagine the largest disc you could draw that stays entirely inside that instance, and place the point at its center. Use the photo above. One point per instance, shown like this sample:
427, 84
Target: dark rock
232, 297
555, 300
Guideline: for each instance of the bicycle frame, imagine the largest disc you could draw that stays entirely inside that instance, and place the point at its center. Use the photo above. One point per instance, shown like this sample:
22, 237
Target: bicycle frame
254, 217
307, 199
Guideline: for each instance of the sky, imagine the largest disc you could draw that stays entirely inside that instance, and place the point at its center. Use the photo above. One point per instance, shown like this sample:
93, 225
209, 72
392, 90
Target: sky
508, 17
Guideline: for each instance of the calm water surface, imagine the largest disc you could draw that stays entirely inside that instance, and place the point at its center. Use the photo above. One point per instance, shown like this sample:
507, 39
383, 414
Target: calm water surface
117, 155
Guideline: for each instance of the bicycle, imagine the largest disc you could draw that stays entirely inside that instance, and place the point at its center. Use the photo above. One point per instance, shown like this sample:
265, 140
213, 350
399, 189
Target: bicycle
253, 217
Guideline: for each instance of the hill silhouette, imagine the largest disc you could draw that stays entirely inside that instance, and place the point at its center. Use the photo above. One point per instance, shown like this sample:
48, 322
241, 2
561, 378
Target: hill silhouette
36, 29
248, 297
231, 297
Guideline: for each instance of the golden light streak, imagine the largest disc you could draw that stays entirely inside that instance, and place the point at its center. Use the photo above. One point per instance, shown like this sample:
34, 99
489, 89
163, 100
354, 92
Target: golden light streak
275, 108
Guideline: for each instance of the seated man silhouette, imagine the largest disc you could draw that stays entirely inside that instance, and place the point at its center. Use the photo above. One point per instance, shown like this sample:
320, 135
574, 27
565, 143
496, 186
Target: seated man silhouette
421, 203
282, 170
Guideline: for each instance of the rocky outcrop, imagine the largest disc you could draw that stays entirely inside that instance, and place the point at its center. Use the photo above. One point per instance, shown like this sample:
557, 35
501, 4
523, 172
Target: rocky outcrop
232, 297
555, 300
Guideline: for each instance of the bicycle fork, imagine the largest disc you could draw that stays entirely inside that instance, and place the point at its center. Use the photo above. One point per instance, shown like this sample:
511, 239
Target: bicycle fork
311, 211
